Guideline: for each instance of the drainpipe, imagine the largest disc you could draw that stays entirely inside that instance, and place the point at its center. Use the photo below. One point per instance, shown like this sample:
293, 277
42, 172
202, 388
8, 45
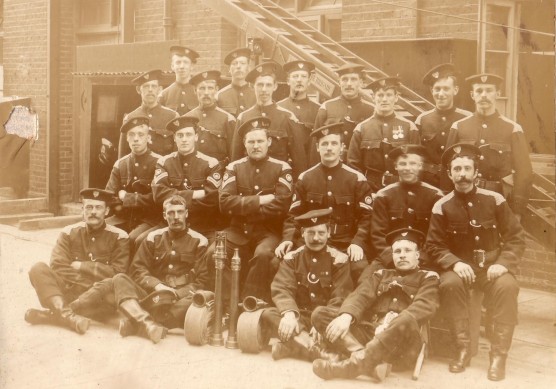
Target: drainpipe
53, 105
167, 20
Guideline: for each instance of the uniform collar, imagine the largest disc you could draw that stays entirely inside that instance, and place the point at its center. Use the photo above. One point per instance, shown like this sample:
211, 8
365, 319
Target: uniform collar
96, 231
413, 186
208, 109
259, 162
334, 168
467, 195
147, 109
188, 157
356, 99
446, 112
177, 234
386, 118
487, 118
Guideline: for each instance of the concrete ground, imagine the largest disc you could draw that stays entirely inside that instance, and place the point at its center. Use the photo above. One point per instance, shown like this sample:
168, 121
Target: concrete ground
51, 357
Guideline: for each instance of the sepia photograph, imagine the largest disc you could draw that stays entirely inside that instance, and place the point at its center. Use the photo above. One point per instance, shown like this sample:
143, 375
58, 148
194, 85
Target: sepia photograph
287, 194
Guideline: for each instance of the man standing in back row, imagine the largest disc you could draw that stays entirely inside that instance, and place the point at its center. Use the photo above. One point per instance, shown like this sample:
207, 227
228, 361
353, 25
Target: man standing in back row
148, 86
180, 95
434, 125
239, 95
350, 108
299, 76
502, 142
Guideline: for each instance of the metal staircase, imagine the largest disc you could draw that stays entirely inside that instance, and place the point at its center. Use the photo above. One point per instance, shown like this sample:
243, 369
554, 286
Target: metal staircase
286, 37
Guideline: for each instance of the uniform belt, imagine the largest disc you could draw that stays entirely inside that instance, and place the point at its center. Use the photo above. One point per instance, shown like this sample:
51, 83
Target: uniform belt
340, 229
495, 186
177, 281
484, 259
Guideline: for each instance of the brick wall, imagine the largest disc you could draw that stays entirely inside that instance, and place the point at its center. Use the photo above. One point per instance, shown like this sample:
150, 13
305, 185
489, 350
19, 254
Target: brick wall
194, 24
437, 26
25, 71
537, 270
367, 21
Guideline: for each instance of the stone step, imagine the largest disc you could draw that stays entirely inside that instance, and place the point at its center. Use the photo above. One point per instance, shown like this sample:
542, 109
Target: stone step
16, 218
48, 222
30, 205
7, 193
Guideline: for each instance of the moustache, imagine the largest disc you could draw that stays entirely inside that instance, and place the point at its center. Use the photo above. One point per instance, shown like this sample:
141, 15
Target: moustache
466, 180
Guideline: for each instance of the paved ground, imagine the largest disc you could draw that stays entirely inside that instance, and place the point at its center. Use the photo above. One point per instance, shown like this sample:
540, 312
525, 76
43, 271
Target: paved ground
50, 357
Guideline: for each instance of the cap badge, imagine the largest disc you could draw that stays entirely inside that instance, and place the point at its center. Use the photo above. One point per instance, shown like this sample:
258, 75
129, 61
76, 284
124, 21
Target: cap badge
96, 193
186, 51
435, 75
147, 76
457, 149
255, 124
176, 122
234, 55
314, 219
260, 69
300, 65
404, 234
484, 78
205, 74
382, 82
156, 299
134, 121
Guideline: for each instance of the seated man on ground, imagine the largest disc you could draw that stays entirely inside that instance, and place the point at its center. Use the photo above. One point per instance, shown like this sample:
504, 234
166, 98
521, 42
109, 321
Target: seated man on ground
85, 252
313, 276
384, 313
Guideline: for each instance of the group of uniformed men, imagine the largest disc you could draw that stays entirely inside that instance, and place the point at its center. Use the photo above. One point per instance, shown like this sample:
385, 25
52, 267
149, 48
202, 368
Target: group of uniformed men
317, 200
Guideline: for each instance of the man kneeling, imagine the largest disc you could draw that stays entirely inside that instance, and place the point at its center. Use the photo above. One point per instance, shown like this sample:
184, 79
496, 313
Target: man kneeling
386, 311
314, 275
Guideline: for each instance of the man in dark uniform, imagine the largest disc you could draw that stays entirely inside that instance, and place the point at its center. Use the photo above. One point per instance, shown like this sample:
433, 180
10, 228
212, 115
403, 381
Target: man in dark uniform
332, 184
238, 95
131, 179
285, 131
255, 194
148, 86
216, 126
502, 143
180, 95
384, 313
315, 276
349, 108
477, 241
192, 175
299, 75
406, 203
85, 252
376, 136
434, 125
171, 259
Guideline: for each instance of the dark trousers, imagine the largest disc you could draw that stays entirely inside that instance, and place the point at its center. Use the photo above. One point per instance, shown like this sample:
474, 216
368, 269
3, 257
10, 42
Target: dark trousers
500, 296
257, 266
270, 320
173, 317
48, 284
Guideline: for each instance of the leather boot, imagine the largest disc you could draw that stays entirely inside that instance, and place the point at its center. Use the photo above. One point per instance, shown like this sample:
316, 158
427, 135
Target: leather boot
128, 328
309, 350
463, 342
361, 362
350, 343
348, 368
499, 347
40, 316
146, 326
63, 316
281, 350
